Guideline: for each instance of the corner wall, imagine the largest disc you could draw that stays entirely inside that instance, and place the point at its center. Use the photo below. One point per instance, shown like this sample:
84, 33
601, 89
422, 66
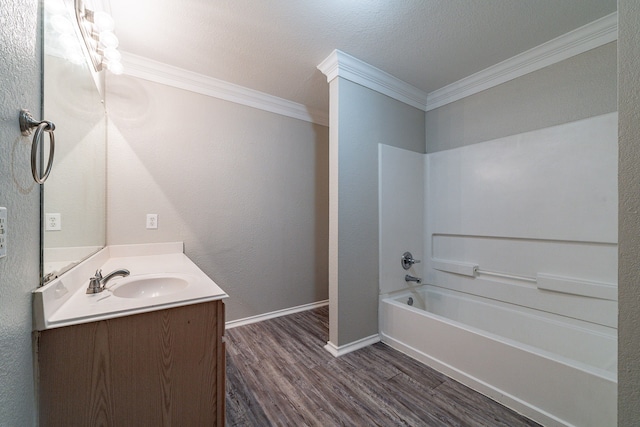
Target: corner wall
629, 217
402, 209
577, 88
245, 189
20, 83
361, 119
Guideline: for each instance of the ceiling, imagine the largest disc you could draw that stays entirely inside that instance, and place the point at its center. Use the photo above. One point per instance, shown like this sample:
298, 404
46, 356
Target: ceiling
274, 46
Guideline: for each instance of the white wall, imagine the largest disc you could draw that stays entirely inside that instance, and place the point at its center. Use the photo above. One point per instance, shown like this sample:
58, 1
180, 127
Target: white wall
20, 69
540, 206
402, 209
245, 189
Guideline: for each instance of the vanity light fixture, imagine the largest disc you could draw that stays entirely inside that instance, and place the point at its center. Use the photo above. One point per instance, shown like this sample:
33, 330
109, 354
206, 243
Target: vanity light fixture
97, 28
60, 33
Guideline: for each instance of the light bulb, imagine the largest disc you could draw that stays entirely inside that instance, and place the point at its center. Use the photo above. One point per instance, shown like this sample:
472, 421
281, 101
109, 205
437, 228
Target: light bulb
108, 40
111, 54
115, 67
103, 21
75, 56
61, 24
55, 7
68, 42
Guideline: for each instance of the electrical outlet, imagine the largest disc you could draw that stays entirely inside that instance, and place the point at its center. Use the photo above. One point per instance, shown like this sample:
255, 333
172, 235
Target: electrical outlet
3, 232
52, 222
152, 221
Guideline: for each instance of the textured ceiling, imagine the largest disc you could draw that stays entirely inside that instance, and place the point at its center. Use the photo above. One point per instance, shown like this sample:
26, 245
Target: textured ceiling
274, 46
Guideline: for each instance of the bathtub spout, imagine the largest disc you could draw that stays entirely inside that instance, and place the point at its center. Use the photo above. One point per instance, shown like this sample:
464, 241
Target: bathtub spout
409, 278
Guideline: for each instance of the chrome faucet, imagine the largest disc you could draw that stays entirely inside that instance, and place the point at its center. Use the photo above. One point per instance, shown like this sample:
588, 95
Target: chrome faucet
98, 283
409, 278
408, 260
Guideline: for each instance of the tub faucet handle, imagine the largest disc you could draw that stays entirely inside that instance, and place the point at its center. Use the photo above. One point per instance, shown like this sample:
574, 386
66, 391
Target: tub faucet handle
408, 260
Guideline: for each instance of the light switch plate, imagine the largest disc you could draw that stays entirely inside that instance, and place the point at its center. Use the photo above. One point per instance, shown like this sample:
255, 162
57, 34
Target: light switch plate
3, 232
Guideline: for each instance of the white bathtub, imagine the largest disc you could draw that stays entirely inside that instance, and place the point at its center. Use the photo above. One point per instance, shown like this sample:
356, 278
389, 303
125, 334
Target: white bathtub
555, 370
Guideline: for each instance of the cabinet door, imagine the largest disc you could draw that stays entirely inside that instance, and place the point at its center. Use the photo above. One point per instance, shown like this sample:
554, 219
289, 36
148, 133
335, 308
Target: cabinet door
159, 368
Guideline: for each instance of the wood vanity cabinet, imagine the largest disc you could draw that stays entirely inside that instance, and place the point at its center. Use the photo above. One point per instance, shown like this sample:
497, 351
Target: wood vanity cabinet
160, 368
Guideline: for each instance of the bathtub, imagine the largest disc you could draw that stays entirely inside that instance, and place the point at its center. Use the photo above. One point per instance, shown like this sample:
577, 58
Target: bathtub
555, 370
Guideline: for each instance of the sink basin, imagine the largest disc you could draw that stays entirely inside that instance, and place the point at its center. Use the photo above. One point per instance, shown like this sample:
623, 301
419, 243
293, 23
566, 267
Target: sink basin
150, 286
162, 277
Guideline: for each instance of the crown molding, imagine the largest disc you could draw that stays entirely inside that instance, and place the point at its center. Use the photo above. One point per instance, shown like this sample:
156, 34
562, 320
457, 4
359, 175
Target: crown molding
340, 64
158, 72
580, 40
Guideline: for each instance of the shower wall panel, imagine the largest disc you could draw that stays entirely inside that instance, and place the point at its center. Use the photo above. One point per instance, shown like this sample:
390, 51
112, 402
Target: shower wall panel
530, 219
401, 206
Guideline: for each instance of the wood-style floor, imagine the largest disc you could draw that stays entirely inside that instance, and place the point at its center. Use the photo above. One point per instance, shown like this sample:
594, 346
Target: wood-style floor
279, 374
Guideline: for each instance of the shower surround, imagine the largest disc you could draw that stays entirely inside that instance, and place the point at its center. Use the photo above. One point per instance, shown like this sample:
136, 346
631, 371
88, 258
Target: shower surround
519, 241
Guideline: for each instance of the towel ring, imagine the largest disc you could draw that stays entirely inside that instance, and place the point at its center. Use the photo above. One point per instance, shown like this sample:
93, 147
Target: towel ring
26, 123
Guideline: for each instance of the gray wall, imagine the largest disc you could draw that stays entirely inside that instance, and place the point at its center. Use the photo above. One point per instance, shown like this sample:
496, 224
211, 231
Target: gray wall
629, 216
19, 270
245, 189
577, 88
362, 118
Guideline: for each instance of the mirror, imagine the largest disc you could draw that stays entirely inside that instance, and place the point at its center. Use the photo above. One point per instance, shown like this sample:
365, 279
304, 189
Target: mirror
74, 196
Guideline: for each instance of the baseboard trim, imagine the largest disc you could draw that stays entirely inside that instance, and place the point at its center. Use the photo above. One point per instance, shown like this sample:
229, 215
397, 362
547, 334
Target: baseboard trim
271, 315
352, 346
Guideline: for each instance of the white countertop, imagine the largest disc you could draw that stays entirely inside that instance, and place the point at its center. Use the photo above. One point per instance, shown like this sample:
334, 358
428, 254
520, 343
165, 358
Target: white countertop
64, 301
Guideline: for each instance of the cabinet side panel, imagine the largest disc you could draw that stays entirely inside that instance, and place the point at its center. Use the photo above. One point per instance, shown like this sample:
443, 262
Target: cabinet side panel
222, 366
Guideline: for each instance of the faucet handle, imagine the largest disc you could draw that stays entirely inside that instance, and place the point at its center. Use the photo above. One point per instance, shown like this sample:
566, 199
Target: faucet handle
95, 283
408, 261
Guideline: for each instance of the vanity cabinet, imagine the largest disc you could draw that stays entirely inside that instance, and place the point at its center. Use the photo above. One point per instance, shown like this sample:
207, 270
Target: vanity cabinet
158, 368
